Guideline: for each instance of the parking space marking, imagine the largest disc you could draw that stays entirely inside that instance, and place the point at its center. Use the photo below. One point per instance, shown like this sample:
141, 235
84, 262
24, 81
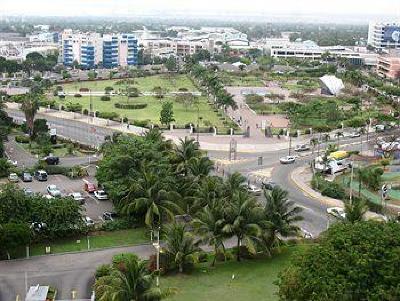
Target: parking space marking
92, 197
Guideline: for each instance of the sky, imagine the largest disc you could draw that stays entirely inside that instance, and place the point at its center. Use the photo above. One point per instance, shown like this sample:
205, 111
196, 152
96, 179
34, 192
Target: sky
204, 7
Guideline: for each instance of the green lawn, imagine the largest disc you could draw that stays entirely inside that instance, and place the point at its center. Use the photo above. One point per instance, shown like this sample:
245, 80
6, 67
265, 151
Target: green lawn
182, 114
58, 152
232, 79
253, 280
98, 241
144, 84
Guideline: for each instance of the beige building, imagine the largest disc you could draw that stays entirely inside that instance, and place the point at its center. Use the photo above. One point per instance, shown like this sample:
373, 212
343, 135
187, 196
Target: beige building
389, 65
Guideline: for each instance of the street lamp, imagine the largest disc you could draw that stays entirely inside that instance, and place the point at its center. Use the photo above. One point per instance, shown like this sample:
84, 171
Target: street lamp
155, 239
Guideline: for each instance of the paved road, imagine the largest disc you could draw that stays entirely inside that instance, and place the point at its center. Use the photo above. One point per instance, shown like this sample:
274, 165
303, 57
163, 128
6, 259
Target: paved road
65, 272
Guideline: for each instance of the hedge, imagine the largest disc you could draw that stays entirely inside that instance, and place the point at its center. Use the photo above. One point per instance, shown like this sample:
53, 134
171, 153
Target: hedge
22, 139
108, 115
130, 106
105, 98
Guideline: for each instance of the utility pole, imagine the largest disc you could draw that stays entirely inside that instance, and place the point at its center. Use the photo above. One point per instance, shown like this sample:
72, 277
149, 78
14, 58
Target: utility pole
351, 182
156, 244
198, 120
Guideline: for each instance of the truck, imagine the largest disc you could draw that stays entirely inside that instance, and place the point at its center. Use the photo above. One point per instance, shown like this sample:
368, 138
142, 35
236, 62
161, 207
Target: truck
335, 162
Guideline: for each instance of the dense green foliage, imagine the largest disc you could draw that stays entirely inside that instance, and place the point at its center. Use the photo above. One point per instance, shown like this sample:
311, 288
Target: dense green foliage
353, 261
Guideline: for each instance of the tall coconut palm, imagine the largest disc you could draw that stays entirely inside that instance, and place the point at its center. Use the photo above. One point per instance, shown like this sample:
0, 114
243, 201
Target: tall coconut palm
241, 221
234, 183
338, 135
278, 217
128, 280
30, 106
186, 149
209, 225
180, 245
200, 167
149, 196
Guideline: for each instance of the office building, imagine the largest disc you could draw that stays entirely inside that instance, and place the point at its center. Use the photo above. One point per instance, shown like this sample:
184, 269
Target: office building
389, 65
384, 35
91, 49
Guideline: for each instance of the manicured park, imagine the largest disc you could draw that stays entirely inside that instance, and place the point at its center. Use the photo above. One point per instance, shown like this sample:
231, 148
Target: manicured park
230, 281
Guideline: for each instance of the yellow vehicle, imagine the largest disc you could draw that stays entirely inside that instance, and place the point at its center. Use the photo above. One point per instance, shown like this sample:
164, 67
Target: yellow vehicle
338, 155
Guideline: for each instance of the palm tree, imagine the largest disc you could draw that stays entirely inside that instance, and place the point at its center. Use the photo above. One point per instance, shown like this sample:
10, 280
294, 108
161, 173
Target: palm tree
338, 135
128, 280
241, 222
200, 167
180, 245
186, 149
278, 217
148, 196
234, 183
355, 210
209, 225
30, 107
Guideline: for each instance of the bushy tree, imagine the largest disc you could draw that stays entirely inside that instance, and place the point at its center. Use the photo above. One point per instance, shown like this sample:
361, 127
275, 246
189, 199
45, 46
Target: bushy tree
353, 261
167, 113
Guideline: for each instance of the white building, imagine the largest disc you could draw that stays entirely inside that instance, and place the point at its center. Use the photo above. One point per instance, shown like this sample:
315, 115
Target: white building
90, 49
310, 50
384, 35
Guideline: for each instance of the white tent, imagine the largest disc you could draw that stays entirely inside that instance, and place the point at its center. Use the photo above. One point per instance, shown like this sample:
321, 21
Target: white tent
331, 84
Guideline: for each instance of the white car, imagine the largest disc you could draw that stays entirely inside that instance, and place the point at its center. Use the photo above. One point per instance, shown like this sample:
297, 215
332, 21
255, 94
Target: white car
53, 191
77, 196
101, 195
337, 212
287, 160
13, 177
302, 148
355, 134
253, 189
88, 221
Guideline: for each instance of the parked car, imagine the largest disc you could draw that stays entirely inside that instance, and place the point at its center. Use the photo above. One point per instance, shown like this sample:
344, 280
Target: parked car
51, 160
287, 160
380, 128
88, 221
26, 177
28, 191
13, 177
337, 212
53, 191
355, 134
269, 185
89, 187
302, 148
253, 189
109, 216
77, 196
40, 175
101, 195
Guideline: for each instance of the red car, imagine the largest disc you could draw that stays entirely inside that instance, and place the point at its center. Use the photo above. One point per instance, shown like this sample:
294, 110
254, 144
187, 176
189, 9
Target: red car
90, 187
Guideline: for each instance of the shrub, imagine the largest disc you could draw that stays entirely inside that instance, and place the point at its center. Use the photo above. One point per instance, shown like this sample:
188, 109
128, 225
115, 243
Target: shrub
119, 224
108, 115
77, 95
73, 107
85, 111
141, 123
57, 170
329, 189
102, 270
22, 139
105, 98
137, 106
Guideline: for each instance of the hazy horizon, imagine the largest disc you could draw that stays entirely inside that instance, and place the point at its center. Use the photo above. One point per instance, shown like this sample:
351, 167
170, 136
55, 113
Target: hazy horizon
335, 11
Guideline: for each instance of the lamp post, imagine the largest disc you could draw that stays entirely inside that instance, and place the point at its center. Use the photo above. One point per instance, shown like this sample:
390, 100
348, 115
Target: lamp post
155, 239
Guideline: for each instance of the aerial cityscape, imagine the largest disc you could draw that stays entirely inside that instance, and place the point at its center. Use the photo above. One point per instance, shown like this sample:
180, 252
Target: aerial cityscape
177, 151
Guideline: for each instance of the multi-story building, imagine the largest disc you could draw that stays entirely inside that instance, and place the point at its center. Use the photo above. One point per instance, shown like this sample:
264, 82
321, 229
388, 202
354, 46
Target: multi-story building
384, 35
92, 49
389, 65
175, 46
119, 50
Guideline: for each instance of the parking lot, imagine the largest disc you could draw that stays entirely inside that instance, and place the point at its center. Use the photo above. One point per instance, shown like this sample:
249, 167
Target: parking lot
94, 208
